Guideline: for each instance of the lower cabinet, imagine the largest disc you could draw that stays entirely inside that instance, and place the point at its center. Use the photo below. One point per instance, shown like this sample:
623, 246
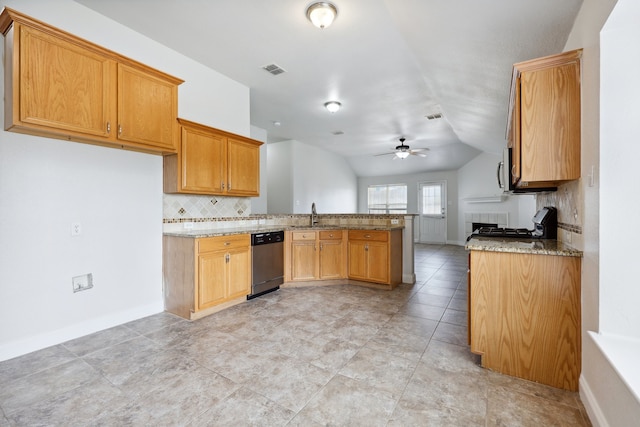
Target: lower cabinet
375, 256
202, 273
314, 255
524, 315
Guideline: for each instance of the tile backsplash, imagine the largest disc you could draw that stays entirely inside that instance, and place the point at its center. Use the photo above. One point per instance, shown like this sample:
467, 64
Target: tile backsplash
178, 206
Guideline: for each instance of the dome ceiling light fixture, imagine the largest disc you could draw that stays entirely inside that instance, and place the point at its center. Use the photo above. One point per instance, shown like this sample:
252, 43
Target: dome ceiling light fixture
322, 14
332, 106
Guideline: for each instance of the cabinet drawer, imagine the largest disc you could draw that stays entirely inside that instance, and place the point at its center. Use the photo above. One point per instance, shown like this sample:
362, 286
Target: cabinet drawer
303, 235
331, 235
209, 244
378, 236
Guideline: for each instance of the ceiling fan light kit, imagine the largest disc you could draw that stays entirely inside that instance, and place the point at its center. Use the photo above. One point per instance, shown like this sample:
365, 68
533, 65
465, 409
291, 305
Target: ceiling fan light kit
332, 106
322, 14
403, 151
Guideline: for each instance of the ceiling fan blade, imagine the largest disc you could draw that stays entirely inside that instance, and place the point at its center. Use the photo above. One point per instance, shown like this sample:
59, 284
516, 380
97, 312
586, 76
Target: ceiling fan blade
419, 154
419, 149
384, 154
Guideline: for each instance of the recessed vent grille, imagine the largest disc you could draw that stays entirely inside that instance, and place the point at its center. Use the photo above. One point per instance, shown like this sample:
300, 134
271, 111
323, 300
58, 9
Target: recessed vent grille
273, 69
338, 132
434, 116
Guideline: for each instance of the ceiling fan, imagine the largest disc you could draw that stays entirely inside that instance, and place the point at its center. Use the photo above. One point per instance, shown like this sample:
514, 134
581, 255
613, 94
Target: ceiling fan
403, 151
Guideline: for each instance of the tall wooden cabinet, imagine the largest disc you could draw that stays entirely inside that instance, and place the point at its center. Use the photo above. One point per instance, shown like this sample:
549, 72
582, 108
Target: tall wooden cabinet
524, 315
211, 161
201, 274
544, 122
61, 86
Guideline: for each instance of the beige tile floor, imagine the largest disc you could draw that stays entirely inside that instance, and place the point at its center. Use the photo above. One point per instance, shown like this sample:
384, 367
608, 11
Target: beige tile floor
334, 356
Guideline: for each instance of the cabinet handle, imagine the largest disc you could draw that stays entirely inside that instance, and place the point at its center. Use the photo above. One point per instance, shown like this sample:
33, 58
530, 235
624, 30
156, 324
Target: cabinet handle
229, 186
119, 129
227, 243
108, 128
366, 248
227, 258
320, 246
222, 185
331, 235
367, 236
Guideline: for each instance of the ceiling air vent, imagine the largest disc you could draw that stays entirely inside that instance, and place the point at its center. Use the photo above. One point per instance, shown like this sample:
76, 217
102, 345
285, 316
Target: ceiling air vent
434, 116
337, 132
273, 69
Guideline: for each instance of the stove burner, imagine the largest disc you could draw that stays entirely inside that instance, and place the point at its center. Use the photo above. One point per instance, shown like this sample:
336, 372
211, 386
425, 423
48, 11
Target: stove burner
501, 232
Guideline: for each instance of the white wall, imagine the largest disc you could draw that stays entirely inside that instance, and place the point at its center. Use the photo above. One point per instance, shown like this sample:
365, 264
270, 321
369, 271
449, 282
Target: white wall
46, 184
478, 179
259, 204
280, 177
413, 181
300, 174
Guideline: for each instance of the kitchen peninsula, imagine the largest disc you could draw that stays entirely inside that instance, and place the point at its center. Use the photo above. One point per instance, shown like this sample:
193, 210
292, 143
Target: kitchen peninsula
524, 308
370, 250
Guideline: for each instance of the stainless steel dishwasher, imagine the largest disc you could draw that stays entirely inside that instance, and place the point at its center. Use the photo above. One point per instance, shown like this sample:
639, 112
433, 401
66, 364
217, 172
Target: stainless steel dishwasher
267, 262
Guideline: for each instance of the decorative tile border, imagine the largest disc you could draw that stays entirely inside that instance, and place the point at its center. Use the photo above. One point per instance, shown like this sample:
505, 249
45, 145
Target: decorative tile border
192, 208
570, 227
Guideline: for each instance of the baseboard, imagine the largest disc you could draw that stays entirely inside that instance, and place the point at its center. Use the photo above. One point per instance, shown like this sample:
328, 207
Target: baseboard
409, 278
88, 326
596, 416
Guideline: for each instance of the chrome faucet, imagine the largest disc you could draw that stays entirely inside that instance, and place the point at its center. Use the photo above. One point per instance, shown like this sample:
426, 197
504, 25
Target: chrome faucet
314, 215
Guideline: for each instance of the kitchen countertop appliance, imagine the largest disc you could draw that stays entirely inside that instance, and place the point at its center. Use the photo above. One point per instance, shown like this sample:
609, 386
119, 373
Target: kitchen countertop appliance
545, 226
267, 262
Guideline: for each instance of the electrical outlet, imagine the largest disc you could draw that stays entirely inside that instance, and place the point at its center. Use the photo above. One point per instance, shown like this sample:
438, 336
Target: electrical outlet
76, 229
188, 225
82, 283
567, 236
394, 222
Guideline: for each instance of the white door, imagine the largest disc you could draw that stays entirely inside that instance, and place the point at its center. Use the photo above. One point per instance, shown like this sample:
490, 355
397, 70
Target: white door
432, 201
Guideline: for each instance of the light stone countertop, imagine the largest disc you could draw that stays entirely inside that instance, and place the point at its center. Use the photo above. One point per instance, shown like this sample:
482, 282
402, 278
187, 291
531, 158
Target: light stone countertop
195, 234
522, 246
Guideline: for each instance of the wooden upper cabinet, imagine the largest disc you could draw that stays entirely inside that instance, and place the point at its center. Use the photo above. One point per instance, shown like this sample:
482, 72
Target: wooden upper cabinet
243, 168
545, 120
211, 161
147, 109
60, 86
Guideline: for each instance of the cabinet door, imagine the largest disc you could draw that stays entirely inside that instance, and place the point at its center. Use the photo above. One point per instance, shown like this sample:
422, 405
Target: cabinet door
331, 259
202, 157
239, 280
243, 167
147, 109
550, 124
357, 260
303, 260
516, 137
63, 87
378, 262
212, 279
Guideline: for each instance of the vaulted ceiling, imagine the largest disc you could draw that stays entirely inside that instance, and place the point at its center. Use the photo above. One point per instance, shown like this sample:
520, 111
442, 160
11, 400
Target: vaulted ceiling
391, 63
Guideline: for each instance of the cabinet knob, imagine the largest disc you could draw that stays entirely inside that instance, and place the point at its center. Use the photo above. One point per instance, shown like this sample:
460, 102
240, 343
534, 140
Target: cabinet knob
222, 185
367, 236
108, 128
227, 243
119, 129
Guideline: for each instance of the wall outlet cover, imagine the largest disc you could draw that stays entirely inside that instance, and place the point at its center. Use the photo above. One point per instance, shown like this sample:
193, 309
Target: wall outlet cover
82, 283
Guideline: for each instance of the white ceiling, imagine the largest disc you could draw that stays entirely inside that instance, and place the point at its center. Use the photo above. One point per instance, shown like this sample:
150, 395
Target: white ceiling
389, 62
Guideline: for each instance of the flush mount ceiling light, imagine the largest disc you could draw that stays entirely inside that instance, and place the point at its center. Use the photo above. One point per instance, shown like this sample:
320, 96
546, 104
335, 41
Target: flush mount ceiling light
322, 14
332, 106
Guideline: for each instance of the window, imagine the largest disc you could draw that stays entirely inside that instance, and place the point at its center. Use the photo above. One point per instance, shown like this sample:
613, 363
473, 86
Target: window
387, 199
432, 198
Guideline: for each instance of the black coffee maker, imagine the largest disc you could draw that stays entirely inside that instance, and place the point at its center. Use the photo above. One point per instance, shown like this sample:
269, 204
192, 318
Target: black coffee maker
545, 223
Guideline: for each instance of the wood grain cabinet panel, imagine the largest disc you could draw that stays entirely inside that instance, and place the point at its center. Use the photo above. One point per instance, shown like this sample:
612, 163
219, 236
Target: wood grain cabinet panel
61, 86
211, 161
545, 120
315, 255
205, 273
525, 315
375, 256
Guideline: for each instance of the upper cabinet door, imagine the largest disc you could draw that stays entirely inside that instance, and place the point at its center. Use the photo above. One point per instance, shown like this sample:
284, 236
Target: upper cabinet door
147, 108
62, 86
201, 156
550, 123
243, 167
